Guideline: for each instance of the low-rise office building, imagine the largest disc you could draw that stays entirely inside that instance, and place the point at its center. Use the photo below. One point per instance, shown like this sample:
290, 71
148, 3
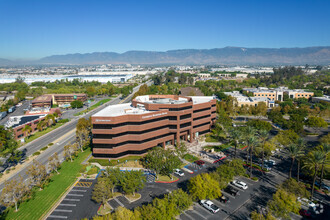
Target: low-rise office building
62, 100
149, 121
242, 100
277, 94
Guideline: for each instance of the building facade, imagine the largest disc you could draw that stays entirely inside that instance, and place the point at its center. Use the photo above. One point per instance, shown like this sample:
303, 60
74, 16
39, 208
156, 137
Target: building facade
62, 100
149, 121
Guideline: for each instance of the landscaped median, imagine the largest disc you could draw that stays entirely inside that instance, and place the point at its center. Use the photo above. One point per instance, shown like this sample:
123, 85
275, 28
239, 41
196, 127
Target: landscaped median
166, 179
44, 200
92, 107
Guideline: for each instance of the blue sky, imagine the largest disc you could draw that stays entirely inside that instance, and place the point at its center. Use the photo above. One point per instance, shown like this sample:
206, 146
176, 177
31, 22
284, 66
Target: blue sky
33, 29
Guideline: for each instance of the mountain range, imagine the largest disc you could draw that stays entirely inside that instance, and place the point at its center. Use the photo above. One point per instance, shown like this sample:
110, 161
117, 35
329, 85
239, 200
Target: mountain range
227, 56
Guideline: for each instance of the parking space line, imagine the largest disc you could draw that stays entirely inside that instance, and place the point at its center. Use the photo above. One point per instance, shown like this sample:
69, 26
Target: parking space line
198, 214
79, 190
74, 194
189, 216
67, 205
203, 209
121, 204
62, 210
57, 216
228, 194
75, 200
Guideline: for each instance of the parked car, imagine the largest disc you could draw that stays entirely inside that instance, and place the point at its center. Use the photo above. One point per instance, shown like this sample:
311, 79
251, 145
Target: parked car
199, 162
266, 167
2, 115
305, 213
323, 186
307, 202
231, 190
178, 172
223, 199
12, 109
209, 205
239, 184
270, 162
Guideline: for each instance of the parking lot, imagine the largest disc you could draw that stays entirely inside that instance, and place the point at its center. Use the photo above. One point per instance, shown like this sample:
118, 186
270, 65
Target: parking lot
234, 203
72, 206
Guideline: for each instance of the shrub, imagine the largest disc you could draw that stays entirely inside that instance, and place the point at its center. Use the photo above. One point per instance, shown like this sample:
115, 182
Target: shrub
50, 144
92, 171
77, 104
255, 178
36, 153
44, 148
63, 120
83, 169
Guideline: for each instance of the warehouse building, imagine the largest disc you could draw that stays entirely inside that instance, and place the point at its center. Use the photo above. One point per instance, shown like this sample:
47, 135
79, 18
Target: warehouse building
149, 121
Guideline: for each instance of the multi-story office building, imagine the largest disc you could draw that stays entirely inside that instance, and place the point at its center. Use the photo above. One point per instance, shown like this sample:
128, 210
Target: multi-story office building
62, 100
277, 94
149, 121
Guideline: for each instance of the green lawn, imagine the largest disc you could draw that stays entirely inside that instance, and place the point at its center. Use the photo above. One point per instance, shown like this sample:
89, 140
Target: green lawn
113, 162
44, 200
210, 138
43, 132
92, 107
190, 158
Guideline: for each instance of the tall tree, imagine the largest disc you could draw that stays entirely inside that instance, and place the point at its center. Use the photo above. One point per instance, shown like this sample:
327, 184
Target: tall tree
314, 160
294, 152
102, 190
204, 186
236, 135
302, 148
70, 150
326, 162
263, 135
27, 130
132, 181
37, 174
53, 162
13, 192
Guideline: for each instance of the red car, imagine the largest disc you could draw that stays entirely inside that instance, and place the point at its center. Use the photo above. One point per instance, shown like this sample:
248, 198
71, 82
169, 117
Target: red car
305, 213
199, 162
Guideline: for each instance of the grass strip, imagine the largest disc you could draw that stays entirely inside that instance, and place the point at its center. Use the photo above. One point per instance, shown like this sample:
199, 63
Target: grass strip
44, 200
93, 107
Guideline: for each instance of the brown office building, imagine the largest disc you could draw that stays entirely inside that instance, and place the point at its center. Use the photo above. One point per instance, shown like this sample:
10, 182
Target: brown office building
62, 100
149, 121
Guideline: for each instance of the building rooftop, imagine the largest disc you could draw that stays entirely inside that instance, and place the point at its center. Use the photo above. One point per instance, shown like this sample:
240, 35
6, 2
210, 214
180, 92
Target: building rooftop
201, 99
151, 100
43, 98
16, 121
121, 109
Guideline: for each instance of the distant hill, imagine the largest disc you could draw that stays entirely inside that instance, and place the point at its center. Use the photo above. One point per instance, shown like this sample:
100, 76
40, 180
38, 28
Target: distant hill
5, 62
227, 55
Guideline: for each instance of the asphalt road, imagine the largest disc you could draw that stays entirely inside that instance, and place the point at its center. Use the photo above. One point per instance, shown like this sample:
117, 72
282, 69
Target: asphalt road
60, 137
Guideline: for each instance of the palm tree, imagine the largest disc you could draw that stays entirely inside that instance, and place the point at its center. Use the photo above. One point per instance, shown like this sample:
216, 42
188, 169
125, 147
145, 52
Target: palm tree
236, 136
302, 146
314, 161
252, 142
27, 130
50, 119
294, 152
263, 135
40, 125
326, 150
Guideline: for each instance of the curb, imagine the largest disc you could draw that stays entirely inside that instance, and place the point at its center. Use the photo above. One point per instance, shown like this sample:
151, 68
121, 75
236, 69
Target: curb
244, 147
220, 159
188, 170
167, 182
254, 168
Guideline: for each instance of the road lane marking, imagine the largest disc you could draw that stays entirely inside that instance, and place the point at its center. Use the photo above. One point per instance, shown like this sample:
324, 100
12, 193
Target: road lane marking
57, 216
62, 210
74, 200
67, 205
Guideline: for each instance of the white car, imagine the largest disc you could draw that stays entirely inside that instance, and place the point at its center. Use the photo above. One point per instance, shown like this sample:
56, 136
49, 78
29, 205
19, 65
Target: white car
271, 162
307, 202
239, 184
209, 205
178, 172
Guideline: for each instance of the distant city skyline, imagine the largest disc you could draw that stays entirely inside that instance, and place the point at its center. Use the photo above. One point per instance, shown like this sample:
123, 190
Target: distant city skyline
35, 29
